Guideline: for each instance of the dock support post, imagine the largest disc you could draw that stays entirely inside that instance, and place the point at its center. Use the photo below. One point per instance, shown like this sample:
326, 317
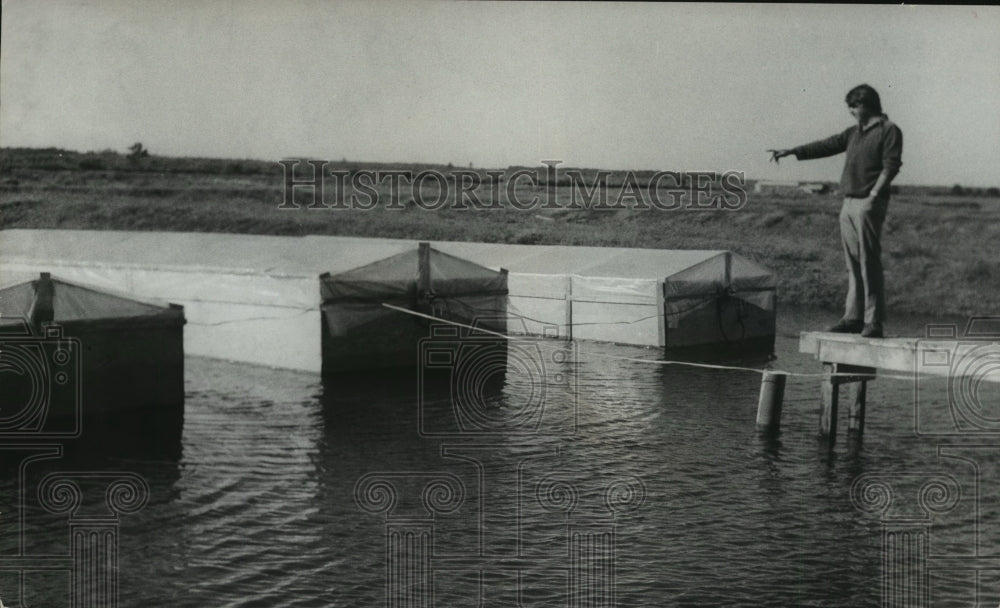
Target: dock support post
772, 393
828, 415
857, 416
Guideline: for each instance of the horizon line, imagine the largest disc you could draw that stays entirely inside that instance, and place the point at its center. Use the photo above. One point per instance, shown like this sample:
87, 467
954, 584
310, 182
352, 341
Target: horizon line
450, 164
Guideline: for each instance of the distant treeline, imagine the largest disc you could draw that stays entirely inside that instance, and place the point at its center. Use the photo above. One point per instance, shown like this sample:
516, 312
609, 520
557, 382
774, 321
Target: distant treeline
138, 159
57, 159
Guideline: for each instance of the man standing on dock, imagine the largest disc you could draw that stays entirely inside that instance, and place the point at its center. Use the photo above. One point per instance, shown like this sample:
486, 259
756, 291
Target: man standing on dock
874, 150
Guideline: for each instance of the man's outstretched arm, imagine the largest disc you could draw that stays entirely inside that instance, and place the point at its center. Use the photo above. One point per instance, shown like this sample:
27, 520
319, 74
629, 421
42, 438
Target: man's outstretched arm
817, 149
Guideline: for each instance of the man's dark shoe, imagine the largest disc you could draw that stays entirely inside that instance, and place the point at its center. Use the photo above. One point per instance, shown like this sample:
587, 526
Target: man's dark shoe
847, 326
872, 330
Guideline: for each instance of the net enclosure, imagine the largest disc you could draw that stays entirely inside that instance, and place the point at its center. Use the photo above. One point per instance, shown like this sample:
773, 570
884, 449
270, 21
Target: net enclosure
692, 303
360, 332
74, 358
724, 305
301, 302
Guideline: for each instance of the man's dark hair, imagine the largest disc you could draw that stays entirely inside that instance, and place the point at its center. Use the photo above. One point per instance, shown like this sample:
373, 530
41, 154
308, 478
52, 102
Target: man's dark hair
866, 96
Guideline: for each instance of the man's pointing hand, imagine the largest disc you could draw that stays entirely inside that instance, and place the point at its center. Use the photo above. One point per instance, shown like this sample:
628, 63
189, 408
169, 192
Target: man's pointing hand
779, 154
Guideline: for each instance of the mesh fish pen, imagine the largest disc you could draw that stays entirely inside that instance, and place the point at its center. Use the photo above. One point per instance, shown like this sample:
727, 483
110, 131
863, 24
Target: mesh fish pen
360, 333
78, 361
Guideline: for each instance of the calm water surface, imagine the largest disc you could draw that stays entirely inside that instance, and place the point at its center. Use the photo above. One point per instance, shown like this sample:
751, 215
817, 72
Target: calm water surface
286, 490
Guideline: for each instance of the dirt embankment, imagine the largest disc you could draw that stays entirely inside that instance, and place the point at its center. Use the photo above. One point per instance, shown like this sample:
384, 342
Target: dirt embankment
941, 248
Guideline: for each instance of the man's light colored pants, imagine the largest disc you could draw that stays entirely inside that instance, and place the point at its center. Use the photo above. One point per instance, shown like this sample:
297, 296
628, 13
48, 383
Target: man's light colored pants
861, 233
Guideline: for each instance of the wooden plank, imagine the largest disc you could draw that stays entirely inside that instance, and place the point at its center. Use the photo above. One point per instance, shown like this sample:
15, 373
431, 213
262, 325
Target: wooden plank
896, 357
858, 373
828, 413
810, 340
908, 355
887, 353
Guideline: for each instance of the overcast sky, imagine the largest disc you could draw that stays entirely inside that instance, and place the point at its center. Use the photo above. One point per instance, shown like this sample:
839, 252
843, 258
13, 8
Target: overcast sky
619, 86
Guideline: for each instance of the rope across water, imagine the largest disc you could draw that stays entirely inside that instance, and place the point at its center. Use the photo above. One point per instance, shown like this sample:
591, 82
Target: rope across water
650, 361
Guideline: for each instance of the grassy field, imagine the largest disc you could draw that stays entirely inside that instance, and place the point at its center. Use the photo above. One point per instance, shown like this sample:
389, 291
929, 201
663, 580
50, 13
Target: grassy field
941, 247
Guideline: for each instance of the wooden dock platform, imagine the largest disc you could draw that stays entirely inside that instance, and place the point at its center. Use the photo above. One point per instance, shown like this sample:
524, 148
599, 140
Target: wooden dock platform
854, 361
937, 355
889, 354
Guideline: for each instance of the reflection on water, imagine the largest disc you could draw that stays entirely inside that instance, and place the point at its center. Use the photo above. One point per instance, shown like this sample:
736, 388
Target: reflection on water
291, 491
